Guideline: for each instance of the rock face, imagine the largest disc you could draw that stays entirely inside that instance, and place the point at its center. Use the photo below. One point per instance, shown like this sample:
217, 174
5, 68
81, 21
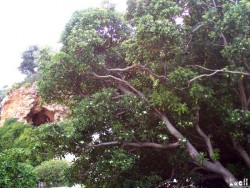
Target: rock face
24, 104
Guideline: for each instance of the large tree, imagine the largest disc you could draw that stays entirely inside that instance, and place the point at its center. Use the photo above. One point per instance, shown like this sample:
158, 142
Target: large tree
152, 99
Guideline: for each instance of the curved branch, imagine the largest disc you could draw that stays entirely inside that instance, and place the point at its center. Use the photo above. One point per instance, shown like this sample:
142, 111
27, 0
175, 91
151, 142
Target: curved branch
143, 68
139, 145
203, 135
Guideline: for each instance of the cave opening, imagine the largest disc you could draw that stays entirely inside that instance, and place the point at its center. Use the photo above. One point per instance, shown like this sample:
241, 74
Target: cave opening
39, 116
39, 119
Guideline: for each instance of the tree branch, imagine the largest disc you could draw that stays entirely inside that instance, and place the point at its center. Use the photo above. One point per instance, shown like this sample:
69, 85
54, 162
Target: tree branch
203, 135
143, 68
124, 82
139, 145
224, 39
203, 75
224, 71
215, 72
242, 153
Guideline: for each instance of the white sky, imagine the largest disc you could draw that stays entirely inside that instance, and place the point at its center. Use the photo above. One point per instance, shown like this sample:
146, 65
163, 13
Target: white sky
34, 22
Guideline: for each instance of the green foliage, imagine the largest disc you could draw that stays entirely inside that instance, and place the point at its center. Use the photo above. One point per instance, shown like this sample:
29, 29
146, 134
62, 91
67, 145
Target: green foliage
14, 172
52, 172
216, 154
201, 157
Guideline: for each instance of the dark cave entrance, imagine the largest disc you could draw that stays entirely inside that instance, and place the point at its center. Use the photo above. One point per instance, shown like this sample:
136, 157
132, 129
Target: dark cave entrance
39, 116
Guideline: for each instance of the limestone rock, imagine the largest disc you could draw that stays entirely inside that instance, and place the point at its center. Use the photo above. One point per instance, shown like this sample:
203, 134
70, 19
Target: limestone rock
24, 104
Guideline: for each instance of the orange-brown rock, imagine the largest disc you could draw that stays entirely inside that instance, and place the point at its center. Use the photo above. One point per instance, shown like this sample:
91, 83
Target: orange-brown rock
24, 104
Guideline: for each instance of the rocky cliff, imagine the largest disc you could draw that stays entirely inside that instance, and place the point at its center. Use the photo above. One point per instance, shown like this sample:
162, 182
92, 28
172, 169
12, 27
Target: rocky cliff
24, 104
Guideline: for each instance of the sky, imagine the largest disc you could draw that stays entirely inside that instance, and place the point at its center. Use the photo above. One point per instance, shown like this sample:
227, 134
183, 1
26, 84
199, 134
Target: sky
34, 22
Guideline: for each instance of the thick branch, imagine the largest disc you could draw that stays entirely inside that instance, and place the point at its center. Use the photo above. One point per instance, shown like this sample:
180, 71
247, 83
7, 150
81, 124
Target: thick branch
139, 145
242, 153
204, 136
143, 68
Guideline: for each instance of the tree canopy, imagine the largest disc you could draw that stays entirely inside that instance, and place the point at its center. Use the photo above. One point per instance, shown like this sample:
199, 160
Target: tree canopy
153, 100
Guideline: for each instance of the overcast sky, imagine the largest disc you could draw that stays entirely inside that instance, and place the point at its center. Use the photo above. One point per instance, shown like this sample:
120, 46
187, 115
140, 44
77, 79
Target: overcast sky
34, 22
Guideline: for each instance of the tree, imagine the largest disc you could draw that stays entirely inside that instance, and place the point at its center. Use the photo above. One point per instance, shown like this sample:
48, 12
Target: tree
14, 172
153, 100
52, 172
28, 65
